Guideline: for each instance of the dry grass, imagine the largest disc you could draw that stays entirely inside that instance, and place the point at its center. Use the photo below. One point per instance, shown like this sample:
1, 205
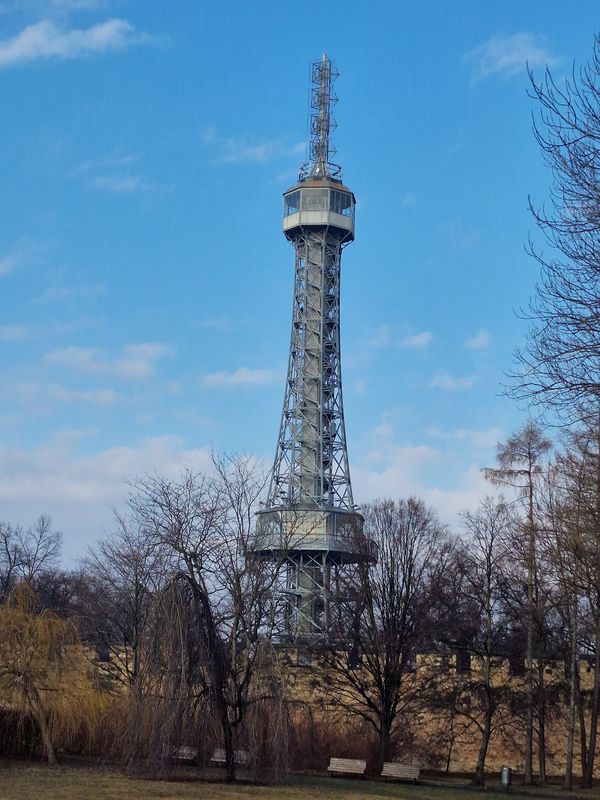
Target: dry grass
20, 781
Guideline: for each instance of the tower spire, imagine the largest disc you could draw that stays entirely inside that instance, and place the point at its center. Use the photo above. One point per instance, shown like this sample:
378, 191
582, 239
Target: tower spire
322, 123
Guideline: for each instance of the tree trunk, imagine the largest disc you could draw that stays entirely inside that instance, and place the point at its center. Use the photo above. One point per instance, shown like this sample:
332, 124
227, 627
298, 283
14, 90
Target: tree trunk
568, 783
384, 741
46, 739
479, 778
529, 653
582, 729
541, 722
589, 767
451, 737
218, 670
228, 747
37, 708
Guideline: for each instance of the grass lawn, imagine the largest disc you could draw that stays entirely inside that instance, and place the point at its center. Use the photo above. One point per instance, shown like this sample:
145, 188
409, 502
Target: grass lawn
26, 781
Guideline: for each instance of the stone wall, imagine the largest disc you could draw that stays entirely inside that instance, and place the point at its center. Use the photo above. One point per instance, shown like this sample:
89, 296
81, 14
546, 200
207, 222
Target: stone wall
439, 728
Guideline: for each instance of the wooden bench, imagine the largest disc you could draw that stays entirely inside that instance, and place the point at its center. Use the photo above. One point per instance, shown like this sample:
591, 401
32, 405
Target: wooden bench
349, 766
406, 772
240, 757
185, 754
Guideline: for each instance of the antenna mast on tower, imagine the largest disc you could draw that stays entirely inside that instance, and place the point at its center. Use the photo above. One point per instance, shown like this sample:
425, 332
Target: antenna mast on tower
322, 123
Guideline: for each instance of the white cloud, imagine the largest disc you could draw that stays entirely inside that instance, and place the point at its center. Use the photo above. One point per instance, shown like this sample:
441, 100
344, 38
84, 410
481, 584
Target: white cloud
76, 358
222, 324
240, 377
136, 360
380, 338
480, 341
12, 259
507, 55
69, 327
22, 252
407, 200
39, 395
77, 5
8, 263
112, 162
417, 340
12, 333
78, 490
459, 235
56, 7
121, 184
468, 490
487, 438
449, 383
385, 429
45, 40
385, 337
55, 294
232, 150
402, 471
288, 176
447, 477
113, 173
100, 397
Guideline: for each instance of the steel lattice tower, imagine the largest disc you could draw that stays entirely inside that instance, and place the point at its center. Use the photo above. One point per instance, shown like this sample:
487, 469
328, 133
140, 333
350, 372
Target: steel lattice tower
310, 518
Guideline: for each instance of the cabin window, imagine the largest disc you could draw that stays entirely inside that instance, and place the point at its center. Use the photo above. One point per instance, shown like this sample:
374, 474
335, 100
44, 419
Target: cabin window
341, 203
315, 199
291, 204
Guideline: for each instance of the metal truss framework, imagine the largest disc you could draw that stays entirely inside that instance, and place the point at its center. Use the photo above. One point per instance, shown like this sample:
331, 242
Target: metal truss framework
311, 464
309, 524
320, 598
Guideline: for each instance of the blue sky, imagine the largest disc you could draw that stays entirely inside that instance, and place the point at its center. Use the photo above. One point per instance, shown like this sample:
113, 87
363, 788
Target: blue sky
145, 285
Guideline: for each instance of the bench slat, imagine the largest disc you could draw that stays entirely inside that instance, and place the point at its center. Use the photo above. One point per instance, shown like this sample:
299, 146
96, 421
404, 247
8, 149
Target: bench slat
392, 769
350, 765
240, 757
185, 753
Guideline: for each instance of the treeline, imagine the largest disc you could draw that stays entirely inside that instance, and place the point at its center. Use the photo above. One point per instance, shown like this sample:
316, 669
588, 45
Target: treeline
181, 625
175, 615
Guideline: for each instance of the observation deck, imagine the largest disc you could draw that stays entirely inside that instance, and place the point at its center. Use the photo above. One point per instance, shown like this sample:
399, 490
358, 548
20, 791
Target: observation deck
319, 203
334, 532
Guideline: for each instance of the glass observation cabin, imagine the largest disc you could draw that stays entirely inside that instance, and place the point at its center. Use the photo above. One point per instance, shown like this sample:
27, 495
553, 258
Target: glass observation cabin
314, 203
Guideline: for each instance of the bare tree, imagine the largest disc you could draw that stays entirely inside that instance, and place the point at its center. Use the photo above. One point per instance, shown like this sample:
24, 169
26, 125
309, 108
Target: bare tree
564, 519
473, 616
39, 548
26, 553
481, 563
207, 523
373, 674
560, 365
580, 550
10, 557
63, 592
167, 708
125, 573
519, 466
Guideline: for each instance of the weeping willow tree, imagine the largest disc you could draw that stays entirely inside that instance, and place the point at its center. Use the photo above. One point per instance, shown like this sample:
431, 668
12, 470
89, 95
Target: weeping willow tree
217, 637
182, 702
43, 671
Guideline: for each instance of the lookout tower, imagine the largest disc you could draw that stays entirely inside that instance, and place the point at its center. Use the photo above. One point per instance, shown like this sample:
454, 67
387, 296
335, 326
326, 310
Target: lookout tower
309, 517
